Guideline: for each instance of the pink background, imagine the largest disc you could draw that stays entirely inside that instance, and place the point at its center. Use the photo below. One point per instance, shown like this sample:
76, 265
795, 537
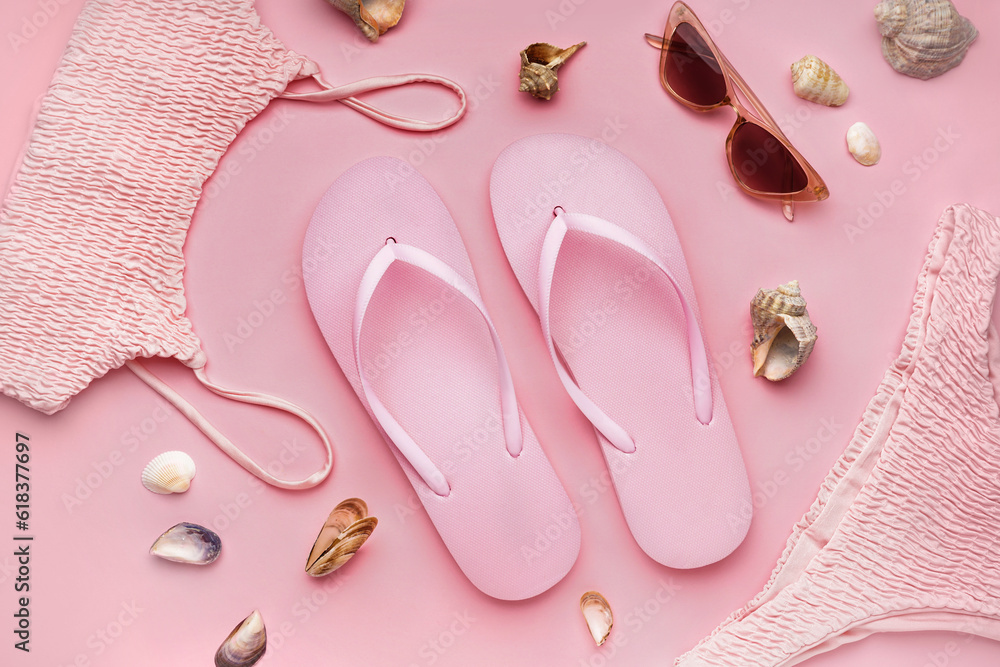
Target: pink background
98, 598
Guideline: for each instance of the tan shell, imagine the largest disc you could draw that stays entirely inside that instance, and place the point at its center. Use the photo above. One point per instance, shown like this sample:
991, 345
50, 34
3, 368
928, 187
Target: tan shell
863, 144
170, 472
923, 38
816, 81
245, 645
539, 63
374, 17
783, 335
597, 613
345, 530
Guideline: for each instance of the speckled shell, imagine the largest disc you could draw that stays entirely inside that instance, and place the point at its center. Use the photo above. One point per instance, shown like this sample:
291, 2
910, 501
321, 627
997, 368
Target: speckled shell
923, 38
345, 530
863, 144
814, 80
373, 17
539, 63
784, 335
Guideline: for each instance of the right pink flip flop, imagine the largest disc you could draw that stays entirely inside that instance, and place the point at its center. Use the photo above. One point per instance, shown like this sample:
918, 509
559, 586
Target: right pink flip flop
595, 251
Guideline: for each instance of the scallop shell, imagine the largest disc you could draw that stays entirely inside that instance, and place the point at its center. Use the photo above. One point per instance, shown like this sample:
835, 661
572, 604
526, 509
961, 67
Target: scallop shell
597, 613
245, 645
374, 17
923, 38
188, 543
345, 530
170, 472
863, 144
783, 335
539, 63
816, 81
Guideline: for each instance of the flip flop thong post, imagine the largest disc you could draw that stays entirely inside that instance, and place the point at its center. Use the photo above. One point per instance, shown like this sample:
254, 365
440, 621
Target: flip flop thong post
399, 307
595, 251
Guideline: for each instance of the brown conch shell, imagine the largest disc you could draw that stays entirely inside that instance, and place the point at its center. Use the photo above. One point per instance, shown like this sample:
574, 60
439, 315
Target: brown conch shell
597, 613
539, 63
783, 335
923, 38
374, 17
816, 81
345, 530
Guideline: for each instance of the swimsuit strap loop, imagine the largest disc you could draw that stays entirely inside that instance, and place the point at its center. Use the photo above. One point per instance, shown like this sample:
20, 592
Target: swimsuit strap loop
347, 93
224, 443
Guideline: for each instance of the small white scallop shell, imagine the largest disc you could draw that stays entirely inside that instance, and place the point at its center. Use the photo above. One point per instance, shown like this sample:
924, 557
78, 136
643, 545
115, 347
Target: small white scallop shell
863, 144
170, 472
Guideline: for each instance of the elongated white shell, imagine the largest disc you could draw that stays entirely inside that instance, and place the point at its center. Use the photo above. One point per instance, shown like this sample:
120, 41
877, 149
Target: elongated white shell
245, 645
863, 144
817, 82
170, 472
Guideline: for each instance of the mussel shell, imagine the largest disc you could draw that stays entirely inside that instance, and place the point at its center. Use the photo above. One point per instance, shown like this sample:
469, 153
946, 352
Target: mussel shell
245, 645
597, 614
188, 543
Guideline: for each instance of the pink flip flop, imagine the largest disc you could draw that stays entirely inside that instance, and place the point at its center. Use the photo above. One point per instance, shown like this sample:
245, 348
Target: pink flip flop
595, 251
397, 302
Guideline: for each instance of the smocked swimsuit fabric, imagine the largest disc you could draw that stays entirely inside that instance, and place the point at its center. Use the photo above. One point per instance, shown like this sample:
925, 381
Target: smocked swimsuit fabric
905, 531
147, 98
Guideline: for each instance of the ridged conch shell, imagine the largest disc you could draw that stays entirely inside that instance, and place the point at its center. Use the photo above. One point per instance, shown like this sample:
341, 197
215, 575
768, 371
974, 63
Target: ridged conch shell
345, 530
170, 472
597, 613
816, 81
245, 645
539, 63
863, 144
188, 543
374, 17
783, 335
923, 38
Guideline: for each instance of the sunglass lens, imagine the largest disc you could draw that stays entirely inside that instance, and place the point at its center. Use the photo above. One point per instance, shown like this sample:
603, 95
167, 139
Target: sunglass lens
763, 164
691, 70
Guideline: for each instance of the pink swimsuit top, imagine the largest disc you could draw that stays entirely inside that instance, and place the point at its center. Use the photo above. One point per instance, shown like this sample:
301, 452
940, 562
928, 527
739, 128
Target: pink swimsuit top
904, 533
146, 100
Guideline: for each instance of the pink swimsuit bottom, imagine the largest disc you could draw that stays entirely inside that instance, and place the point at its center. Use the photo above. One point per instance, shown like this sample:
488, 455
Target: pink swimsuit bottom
903, 535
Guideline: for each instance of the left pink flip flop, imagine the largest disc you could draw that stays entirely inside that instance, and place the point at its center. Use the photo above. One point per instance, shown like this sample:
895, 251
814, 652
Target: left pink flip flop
393, 292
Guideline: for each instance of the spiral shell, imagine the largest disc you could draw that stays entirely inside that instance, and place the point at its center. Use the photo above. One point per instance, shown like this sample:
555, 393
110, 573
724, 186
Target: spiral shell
814, 80
170, 472
374, 17
345, 530
923, 38
597, 614
863, 144
245, 645
539, 63
783, 334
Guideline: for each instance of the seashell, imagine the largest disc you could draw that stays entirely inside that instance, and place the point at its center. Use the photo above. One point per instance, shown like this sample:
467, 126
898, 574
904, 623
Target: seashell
863, 144
597, 613
816, 81
188, 543
345, 530
170, 472
923, 38
539, 63
245, 645
783, 335
374, 17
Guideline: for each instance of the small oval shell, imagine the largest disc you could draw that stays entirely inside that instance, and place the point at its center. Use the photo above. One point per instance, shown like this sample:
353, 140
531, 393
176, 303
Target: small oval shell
346, 529
816, 81
539, 63
597, 613
374, 17
188, 543
923, 38
863, 144
784, 335
170, 472
245, 645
